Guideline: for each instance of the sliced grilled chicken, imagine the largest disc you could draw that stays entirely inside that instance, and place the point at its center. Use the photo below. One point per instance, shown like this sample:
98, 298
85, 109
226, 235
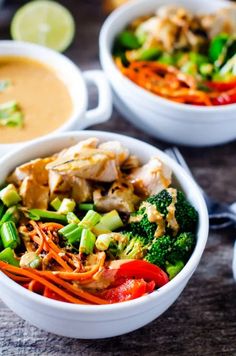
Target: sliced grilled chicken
117, 148
33, 194
120, 197
151, 178
89, 163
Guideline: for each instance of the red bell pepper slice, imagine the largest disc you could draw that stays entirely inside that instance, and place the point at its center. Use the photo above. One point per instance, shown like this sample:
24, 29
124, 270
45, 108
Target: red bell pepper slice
129, 290
225, 99
221, 86
143, 269
48, 293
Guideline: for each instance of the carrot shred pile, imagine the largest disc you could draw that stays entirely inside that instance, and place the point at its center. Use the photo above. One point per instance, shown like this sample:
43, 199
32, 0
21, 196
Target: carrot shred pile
168, 82
63, 283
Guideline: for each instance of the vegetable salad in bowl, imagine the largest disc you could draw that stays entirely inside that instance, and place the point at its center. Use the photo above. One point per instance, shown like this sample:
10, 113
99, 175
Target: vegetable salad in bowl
92, 225
181, 56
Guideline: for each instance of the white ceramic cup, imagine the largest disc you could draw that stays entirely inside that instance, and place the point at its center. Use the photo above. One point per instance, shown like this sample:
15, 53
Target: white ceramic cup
179, 123
74, 80
99, 321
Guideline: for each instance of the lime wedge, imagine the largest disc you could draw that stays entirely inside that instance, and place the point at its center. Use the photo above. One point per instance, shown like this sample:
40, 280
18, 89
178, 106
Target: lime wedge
44, 22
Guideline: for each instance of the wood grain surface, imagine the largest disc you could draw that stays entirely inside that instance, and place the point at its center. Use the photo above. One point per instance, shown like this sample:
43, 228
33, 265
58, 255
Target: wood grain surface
203, 320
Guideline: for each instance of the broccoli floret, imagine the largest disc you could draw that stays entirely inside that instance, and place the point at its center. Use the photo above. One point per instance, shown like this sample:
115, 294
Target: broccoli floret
182, 248
171, 253
135, 249
161, 201
140, 225
174, 269
159, 250
122, 245
186, 215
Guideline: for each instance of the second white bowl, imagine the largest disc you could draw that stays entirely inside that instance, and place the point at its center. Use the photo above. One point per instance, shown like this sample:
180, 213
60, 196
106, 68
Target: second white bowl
180, 123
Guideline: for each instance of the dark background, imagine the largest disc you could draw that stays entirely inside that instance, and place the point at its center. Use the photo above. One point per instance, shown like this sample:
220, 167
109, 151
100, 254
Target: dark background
203, 320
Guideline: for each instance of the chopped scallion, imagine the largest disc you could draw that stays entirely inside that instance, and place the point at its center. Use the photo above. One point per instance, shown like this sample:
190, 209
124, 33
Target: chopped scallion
87, 242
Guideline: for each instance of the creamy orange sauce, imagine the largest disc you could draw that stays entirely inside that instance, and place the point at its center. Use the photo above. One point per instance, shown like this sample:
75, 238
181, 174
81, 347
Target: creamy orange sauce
43, 98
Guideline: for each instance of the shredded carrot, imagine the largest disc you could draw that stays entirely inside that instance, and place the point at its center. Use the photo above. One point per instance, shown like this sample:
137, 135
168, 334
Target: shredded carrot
16, 278
76, 290
54, 249
166, 81
28, 273
52, 226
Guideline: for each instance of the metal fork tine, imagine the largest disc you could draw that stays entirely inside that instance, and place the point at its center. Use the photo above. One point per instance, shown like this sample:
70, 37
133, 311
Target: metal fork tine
174, 153
180, 159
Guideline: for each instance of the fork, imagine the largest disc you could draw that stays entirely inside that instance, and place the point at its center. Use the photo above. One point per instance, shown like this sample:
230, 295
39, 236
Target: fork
221, 215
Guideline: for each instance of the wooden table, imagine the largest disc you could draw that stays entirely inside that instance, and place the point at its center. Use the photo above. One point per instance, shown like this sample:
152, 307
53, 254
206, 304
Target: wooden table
203, 320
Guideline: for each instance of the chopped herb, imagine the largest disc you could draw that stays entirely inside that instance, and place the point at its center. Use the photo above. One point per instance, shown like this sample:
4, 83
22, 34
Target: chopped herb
11, 114
4, 84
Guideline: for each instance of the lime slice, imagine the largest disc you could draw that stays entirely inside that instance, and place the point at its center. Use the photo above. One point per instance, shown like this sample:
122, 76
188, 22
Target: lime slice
44, 22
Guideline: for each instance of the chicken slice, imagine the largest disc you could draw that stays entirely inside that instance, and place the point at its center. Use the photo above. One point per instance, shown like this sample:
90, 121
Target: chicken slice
151, 178
89, 143
120, 197
130, 163
81, 190
116, 147
58, 185
94, 164
35, 168
33, 194
223, 21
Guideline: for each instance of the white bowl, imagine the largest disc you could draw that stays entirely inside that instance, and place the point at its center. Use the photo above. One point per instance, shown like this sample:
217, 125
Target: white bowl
180, 123
92, 322
74, 80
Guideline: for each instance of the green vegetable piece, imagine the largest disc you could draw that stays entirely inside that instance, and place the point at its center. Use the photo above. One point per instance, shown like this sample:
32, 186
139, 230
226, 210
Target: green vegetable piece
2, 209
109, 222
173, 270
90, 219
198, 58
86, 206
72, 233
74, 237
11, 214
67, 206
67, 229
45, 215
189, 68
1, 244
56, 203
87, 242
9, 235
127, 39
11, 114
167, 59
72, 218
7, 255
31, 260
206, 69
103, 241
217, 46
149, 54
9, 195
4, 84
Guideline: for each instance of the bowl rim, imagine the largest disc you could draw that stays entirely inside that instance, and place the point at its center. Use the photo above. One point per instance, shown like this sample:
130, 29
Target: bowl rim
132, 305
107, 60
79, 110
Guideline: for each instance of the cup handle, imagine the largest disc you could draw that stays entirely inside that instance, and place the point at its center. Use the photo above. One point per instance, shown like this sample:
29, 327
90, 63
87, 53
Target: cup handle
104, 109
